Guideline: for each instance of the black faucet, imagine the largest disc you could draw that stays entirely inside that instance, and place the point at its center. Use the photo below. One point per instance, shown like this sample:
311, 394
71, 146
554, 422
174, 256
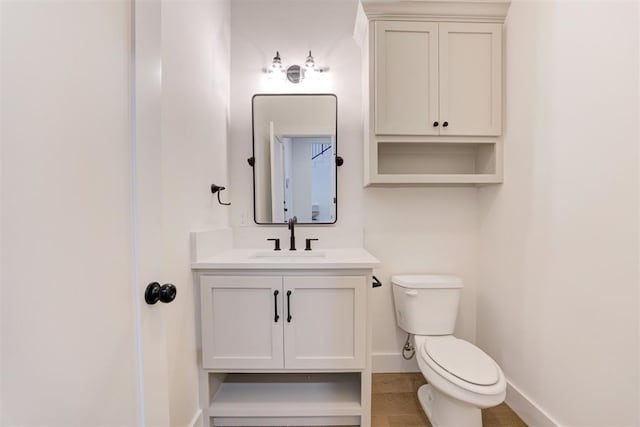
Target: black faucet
292, 222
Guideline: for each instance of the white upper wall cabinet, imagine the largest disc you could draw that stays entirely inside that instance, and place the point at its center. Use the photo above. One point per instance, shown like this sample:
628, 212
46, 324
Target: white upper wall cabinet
470, 79
437, 78
433, 107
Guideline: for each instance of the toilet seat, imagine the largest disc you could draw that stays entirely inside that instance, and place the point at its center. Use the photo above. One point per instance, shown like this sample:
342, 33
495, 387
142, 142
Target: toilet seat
462, 360
455, 378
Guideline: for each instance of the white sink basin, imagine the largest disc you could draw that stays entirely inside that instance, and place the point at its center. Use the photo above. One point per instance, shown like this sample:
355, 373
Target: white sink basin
285, 254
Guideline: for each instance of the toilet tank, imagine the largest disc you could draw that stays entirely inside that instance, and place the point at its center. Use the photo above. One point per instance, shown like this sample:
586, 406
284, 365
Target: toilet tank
426, 304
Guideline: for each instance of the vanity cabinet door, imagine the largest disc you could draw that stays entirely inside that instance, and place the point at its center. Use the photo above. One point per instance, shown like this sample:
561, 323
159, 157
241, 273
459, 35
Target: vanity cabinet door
324, 322
240, 326
470, 78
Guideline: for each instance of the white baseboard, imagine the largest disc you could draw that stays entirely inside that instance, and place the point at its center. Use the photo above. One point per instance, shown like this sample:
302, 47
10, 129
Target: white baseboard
392, 362
196, 420
532, 414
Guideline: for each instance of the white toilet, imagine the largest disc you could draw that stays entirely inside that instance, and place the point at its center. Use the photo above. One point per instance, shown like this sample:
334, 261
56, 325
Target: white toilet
462, 379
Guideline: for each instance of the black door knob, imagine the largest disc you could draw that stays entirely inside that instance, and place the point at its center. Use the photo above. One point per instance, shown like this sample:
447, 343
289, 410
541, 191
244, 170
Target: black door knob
435, 124
168, 293
445, 124
165, 293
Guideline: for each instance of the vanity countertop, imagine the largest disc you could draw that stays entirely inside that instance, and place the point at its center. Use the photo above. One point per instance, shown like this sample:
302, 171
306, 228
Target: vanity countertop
261, 259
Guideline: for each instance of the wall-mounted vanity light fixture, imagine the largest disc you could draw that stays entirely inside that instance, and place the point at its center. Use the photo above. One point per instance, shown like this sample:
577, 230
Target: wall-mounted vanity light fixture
294, 73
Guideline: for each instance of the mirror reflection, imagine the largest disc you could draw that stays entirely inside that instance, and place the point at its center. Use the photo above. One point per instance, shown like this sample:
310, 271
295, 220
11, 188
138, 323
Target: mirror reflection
294, 150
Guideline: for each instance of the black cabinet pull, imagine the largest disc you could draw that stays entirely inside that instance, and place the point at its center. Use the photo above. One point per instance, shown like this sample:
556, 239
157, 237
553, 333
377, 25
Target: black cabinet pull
435, 124
275, 303
445, 124
288, 306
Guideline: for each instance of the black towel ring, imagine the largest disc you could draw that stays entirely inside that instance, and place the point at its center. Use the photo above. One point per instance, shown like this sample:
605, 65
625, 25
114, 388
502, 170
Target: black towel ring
217, 189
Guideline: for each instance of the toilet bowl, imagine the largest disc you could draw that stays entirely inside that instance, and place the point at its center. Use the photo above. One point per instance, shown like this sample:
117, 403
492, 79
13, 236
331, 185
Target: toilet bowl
461, 378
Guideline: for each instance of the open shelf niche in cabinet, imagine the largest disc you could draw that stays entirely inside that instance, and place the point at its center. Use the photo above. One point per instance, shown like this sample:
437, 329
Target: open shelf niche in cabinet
438, 162
285, 399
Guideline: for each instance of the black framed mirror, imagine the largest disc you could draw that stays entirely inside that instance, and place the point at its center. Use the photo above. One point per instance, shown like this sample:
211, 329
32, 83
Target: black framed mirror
294, 161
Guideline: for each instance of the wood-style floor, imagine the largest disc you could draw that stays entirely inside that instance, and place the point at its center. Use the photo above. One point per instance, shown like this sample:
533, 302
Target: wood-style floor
395, 403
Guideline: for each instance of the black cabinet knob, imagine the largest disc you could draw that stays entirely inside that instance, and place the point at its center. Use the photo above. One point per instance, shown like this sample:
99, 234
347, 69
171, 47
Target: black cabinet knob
445, 124
165, 293
435, 124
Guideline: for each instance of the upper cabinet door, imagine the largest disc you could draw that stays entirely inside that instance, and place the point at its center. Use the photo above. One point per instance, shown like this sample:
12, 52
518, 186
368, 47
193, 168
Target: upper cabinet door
241, 322
470, 79
406, 78
325, 322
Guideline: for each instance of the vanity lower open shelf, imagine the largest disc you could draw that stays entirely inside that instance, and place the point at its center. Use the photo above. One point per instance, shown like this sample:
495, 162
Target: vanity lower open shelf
245, 399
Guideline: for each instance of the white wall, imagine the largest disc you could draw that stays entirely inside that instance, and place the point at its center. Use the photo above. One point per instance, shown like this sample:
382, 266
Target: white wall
408, 229
417, 230
558, 297
195, 117
68, 347
258, 29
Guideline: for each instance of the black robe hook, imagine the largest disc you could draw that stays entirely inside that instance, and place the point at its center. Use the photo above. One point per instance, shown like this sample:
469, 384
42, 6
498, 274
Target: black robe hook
217, 189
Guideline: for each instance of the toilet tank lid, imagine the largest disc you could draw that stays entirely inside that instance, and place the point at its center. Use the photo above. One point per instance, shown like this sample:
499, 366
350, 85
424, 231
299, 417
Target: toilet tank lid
427, 281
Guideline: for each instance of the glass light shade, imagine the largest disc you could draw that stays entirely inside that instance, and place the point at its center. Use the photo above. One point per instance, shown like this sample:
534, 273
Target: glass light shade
310, 62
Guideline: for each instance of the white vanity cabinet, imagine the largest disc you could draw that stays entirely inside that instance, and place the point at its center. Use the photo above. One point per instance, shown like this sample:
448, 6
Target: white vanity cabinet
434, 73
283, 322
285, 337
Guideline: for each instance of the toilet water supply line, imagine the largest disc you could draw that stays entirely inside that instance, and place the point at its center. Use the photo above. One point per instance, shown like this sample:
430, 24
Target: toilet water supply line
409, 350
